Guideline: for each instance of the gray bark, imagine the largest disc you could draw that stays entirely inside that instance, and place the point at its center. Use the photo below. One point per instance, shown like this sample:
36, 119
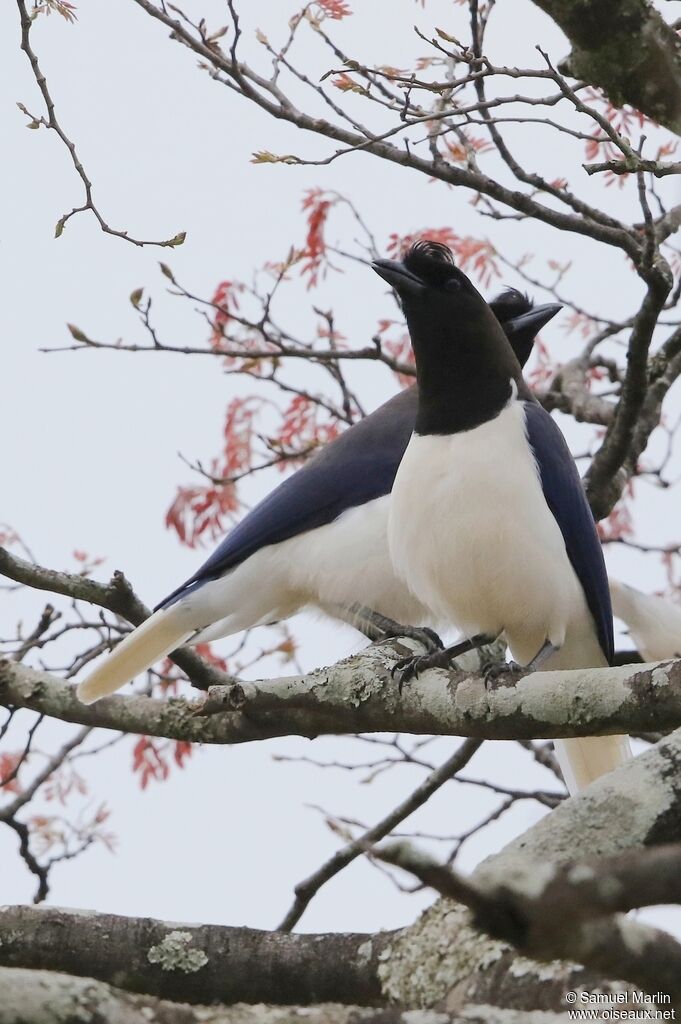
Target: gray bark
443, 957
360, 695
625, 48
193, 963
44, 997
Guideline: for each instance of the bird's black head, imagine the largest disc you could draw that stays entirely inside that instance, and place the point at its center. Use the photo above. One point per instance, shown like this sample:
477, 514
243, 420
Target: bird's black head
521, 319
427, 274
464, 362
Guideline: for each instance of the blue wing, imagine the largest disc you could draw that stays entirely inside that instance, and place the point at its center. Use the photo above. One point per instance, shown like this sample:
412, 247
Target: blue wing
565, 497
357, 467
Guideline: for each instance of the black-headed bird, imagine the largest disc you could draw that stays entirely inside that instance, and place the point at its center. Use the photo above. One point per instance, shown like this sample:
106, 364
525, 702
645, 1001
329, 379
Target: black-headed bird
489, 525
319, 539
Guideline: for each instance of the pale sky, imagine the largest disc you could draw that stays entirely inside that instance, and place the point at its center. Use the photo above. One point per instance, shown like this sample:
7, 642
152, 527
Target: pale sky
91, 440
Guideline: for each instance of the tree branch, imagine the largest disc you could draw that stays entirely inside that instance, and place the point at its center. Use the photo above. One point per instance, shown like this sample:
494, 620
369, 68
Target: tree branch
637, 806
442, 955
625, 48
194, 963
568, 913
307, 889
266, 94
52, 123
117, 596
360, 695
45, 997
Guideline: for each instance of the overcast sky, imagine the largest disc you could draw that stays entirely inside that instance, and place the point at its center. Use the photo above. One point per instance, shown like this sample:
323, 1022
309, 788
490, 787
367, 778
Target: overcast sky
90, 440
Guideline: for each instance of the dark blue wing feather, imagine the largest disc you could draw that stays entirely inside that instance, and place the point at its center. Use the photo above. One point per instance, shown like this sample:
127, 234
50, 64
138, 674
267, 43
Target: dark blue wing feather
357, 467
565, 497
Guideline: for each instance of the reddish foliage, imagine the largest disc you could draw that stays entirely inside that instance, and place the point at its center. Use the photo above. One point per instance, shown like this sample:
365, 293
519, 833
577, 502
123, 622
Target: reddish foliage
544, 369
8, 536
398, 244
470, 253
301, 427
334, 9
402, 351
62, 783
87, 562
478, 255
169, 677
347, 84
579, 322
201, 510
227, 303
8, 765
620, 523
182, 752
148, 759
237, 434
209, 655
423, 63
317, 203
287, 647
332, 335
456, 150
625, 120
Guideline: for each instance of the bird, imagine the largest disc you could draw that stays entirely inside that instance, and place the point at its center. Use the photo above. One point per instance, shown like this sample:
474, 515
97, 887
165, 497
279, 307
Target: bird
318, 539
488, 522
654, 623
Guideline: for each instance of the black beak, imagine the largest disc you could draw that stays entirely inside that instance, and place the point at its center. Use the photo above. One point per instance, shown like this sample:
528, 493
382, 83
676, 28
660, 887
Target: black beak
398, 277
532, 322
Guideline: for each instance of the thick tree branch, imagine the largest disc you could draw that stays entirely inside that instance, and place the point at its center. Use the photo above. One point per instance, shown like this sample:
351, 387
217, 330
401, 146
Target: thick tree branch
360, 695
573, 912
45, 997
443, 955
194, 963
625, 48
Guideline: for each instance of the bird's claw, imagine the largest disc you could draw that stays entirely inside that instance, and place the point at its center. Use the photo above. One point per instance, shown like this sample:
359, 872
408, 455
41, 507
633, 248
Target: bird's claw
494, 670
405, 669
409, 668
428, 638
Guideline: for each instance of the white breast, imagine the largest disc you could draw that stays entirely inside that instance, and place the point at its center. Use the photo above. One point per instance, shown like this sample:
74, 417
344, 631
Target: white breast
470, 532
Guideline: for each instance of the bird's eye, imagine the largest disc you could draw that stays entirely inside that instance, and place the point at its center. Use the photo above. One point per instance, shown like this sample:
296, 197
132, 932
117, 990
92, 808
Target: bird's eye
453, 284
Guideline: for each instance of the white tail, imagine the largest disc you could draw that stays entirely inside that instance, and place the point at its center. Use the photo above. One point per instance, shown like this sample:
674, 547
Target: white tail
654, 623
162, 633
582, 760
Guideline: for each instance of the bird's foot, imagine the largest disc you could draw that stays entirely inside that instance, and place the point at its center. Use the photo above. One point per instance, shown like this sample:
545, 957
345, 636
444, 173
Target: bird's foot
379, 627
495, 670
409, 668
428, 638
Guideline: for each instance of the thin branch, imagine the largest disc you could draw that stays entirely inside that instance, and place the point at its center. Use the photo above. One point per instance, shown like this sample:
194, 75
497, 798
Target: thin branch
117, 596
52, 123
306, 890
